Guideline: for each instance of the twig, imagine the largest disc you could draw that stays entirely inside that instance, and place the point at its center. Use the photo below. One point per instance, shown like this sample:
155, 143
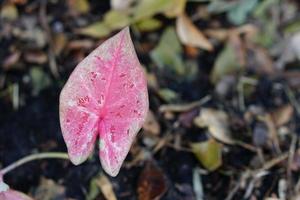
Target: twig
184, 107
246, 146
38, 156
272, 163
45, 25
234, 190
290, 160
292, 99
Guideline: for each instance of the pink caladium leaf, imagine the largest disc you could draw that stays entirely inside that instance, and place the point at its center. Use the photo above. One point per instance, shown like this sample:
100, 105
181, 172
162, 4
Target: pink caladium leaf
8, 194
105, 96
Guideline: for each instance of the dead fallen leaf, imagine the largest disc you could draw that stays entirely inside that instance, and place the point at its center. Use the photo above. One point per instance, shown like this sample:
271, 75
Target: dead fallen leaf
97, 30
11, 60
59, 43
290, 52
152, 183
37, 57
187, 118
273, 132
217, 122
191, 52
232, 59
106, 187
282, 115
9, 11
80, 44
151, 125
218, 34
209, 153
177, 8
80, 6
120, 4
48, 190
190, 35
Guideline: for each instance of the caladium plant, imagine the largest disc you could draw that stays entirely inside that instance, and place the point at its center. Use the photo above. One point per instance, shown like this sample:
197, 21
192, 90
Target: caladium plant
8, 194
105, 97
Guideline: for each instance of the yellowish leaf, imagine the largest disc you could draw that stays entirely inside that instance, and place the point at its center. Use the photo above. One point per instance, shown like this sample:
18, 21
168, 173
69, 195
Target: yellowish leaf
151, 125
176, 8
149, 24
116, 19
97, 30
9, 11
81, 6
217, 123
209, 153
106, 188
190, 35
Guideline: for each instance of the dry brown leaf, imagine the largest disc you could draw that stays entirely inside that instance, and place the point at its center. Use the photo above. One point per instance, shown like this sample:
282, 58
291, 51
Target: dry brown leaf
9, 11
11, 60
37, 57
190, 35
176, 9
218, 34
217, 122
48, 190
152, 183
80, 6
80, 44
59, 43
106, 187
191, 52
282, 115
151, 125
273, 134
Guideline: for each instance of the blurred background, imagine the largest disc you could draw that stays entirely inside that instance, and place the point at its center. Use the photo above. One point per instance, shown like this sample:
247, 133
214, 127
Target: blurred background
223, 79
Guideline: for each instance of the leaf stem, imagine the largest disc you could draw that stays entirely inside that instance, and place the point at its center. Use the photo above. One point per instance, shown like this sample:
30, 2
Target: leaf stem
37, 156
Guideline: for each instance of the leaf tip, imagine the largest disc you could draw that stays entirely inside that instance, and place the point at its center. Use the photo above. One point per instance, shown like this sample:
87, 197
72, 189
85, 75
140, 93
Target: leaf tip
77, 160
112, 171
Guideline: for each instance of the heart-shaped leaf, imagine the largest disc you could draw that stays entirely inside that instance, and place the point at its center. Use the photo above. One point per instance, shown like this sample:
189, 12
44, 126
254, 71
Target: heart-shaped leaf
105, 96
8, 194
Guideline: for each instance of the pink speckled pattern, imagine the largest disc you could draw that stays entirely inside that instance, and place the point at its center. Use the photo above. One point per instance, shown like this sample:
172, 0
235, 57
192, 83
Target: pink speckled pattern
13, 195
105, 96
8, 194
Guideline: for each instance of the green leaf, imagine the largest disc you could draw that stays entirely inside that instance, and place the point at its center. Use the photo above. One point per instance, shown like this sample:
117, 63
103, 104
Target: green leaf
268, 35
262, 8
226, 63
116, 19
220, 6
97, 30
150, 24
39, 79
294, 27
148, 8
168, 53
239, 13
168, 95
209, 153
94, 189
